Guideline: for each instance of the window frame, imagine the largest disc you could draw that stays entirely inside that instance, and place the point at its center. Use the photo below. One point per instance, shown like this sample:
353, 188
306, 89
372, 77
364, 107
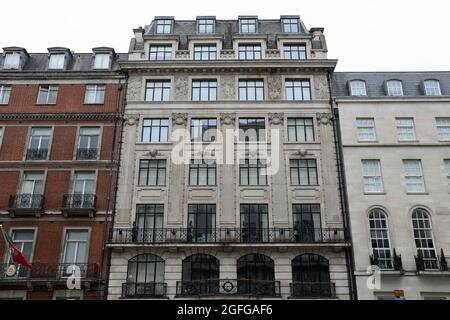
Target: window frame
158, 168
102, 66
447, 170
416, 227
246, 165
295, 84
58, 65
165, 48
290, 24
199, 25
378, 223
50, 89
353, 90
297, 169
208, 165
360, 127
437, 90
412, 127
246, 51
300, 127
246, 21
80, 135
211, 89
198, 54
378, 177
9, 66
299, 51
151, 126
394, 91
258, 87
99, 92
30, 137
256, 125
421, 176
164, 86
162, 23
203, 129
5, 91
64, 243
445, 127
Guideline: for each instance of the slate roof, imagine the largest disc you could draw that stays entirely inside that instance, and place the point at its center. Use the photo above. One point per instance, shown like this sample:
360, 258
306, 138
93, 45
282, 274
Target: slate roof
82, 62
375, 82
227, 29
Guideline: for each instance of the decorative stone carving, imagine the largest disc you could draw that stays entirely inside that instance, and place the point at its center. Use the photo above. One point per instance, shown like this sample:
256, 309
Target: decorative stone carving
321, 89
181, 88
134, 88
276, 118
274, 87
152, 153
324, 118
179, 119
301, 153
227, 83
228, 118
131, 119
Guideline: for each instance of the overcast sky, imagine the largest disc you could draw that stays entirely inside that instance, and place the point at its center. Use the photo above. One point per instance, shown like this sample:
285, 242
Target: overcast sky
381, 35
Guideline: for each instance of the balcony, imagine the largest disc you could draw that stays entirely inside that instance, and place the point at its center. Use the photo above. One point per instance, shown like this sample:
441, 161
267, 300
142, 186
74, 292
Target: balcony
313, 290
26, 205
227, 287
87, 154
79, 205
49, 275
438, 263
144, 290
37, 154
225, 235
392, 263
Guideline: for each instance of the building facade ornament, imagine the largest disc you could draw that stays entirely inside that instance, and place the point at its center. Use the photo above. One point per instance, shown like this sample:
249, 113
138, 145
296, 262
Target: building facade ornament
179, 119
324, 118
228, 118
152, 153
131, 119
301, 153
276, 118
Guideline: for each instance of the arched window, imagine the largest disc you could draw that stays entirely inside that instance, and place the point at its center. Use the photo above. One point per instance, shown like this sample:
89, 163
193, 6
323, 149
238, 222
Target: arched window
145, 276
379, 239
311, 276
358, 88
200, 275
423, 237
256, 275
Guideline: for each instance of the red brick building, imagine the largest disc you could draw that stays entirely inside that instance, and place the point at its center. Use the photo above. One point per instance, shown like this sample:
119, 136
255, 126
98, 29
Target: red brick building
60, 123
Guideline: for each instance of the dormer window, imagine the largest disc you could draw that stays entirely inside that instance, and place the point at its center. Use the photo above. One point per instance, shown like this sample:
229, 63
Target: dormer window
57, 61
164, 26
248, 25
290, 25
432, 88
102, 61
205, 25
394, 88
12, 61
358, 88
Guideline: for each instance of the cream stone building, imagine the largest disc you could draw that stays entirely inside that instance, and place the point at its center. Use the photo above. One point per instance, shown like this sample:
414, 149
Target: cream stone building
266, 220
396, 144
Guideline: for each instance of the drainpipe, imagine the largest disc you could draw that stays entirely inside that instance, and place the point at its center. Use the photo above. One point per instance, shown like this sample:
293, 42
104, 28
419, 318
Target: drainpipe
349, 254
112, 194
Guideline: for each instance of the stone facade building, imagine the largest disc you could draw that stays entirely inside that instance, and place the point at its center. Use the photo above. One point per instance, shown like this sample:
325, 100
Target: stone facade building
262, 215
60, 117
396, 145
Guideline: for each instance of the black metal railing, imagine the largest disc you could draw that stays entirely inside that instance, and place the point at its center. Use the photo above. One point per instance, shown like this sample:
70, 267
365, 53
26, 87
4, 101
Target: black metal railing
49, 271
37, 154
392, 262
144, 290
79, 201
87, 153
313, 290
437, 263
26, 201
225, 235
223, 287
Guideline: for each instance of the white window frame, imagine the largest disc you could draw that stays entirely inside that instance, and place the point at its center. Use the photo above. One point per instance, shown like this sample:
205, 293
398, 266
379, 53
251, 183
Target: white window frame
362, 124
376, 177
447, 169
99, 93
102, 61
394, 88
443, 128
65, 238
56, 61
376, 217
432, 87
5, 91
51, 88
15, 63
418, 176
356, 91
2, 134
399, 126
424, 230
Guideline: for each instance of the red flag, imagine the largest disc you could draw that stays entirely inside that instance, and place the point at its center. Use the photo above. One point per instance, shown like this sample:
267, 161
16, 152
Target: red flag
16, 255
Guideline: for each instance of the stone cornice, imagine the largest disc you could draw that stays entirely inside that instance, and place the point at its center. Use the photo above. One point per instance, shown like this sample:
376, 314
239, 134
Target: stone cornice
403, 99
59, 75
228, 65
60, 116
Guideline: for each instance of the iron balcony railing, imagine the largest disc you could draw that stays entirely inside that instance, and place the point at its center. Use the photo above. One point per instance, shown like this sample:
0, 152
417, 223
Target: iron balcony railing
49, 271
223, 287
313, 290
87, 153
37, 154
26, 201
391, 262
225, 235
437, 263
79, 201
144, 290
